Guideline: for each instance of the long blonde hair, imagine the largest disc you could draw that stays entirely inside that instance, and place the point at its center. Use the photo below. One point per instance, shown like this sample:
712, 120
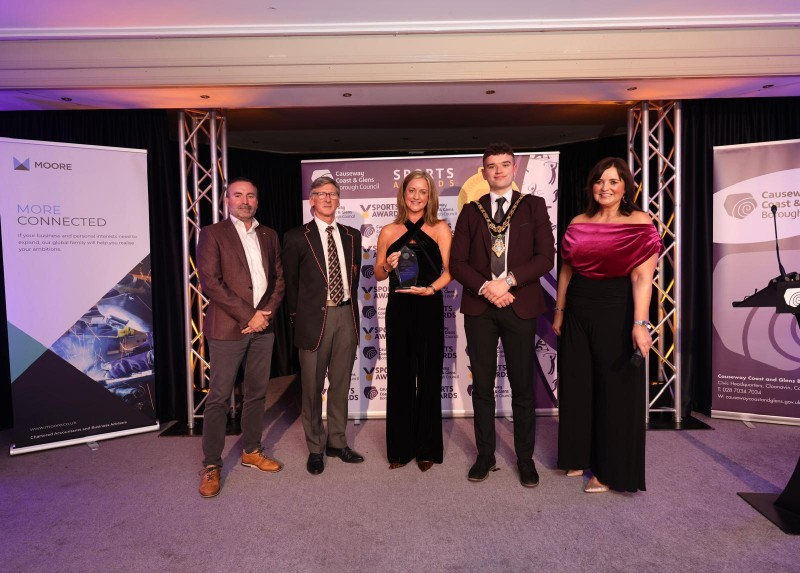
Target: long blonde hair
431, 215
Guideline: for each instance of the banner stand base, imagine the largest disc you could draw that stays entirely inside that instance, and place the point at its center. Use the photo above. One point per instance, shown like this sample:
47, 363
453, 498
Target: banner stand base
764, 503
666, 421
233, 428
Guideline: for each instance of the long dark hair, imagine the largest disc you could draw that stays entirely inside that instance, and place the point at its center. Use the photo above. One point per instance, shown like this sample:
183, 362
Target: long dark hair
627, 206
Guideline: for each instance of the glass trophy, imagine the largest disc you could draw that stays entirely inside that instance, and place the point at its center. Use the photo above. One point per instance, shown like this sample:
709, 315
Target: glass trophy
407, 269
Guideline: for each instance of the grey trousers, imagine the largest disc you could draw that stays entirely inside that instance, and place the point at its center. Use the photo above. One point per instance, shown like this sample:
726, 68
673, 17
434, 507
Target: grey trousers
255, 352
335, 356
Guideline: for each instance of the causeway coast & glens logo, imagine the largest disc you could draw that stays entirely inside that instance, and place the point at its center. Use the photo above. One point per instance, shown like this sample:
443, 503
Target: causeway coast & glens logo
740, 205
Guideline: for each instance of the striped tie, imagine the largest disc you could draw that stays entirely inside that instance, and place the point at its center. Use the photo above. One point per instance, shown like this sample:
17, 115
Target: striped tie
335, 285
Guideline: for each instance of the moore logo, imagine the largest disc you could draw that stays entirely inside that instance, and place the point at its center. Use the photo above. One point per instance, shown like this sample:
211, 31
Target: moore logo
24, 165
368, 373
740, 205
369, 312
370, 392
368, 253
367, 271
370, 352
367, 230
368, 332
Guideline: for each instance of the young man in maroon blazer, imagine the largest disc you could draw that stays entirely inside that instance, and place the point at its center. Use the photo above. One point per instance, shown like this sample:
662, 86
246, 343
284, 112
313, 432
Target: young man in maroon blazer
239, 266
502, 246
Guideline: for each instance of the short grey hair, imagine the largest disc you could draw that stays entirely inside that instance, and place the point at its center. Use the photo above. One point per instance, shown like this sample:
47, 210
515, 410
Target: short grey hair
322, 181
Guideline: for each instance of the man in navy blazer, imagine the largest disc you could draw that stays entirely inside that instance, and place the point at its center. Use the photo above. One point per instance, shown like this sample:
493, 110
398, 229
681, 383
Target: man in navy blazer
322, 264
240, 271
502, 246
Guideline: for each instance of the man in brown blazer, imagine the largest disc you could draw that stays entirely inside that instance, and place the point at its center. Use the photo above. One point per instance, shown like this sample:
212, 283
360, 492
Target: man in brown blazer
239, 266
502, 245
322, 265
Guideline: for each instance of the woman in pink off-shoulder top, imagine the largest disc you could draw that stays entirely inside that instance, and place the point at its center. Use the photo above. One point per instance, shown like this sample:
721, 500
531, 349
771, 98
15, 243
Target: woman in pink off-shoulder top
609, 255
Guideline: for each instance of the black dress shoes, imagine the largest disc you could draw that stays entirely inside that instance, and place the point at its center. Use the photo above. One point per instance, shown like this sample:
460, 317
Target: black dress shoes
481, 468
315, 465
528, 476
345, 454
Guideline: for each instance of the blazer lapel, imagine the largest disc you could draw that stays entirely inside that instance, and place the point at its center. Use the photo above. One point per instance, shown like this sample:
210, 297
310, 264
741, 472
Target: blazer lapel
232, 236
265, 254
514, 221
486, 203
347, 247
315, 242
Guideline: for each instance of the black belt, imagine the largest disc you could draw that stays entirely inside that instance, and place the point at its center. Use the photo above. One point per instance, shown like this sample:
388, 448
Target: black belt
343, 303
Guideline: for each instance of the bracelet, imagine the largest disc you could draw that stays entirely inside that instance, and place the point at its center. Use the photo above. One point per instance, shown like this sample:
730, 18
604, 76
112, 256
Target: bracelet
384, 269
432, 288
559, 309
645, 323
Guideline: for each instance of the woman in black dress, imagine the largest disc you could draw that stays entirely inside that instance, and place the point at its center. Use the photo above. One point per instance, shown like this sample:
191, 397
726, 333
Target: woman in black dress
415, 324
609, 255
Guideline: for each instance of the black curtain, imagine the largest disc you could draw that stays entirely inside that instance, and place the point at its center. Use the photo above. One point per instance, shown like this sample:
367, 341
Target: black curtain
574, 163
139, 129
280, 207
708, 123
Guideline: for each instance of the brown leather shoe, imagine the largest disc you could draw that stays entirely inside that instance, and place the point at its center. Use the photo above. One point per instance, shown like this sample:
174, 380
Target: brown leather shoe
209, 482
258, 460
425, 465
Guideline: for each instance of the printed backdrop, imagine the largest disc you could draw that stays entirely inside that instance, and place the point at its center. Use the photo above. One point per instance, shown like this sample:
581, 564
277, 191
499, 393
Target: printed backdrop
76, 256
755, 352
368, 202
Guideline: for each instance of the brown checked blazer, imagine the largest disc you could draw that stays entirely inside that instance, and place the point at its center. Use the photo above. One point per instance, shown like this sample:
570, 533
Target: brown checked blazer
530, 255
307, 280
225, 278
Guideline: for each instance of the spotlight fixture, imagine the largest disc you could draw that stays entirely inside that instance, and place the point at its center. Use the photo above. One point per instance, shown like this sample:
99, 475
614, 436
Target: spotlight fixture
767, 86
66, 99
204, 96
632, 89
490, 92
347, 94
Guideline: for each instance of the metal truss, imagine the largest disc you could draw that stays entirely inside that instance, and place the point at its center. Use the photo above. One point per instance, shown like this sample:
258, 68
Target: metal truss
204, 170
654, 155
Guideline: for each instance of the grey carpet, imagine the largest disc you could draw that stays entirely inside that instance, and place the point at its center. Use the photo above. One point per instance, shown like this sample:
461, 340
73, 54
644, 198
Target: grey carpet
133, 506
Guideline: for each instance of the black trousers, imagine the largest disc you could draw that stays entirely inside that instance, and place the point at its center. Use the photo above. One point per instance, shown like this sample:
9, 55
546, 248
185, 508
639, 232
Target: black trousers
601, 400
518, 338
415, 352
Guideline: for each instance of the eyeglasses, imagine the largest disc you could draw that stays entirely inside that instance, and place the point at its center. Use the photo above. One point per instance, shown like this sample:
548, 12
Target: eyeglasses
329, 194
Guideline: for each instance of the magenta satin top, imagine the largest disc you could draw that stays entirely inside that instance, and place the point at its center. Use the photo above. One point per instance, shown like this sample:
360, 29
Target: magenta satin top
608, 250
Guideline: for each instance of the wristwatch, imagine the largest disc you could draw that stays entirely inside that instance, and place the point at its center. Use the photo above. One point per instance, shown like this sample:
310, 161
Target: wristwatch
510, 279
645, 323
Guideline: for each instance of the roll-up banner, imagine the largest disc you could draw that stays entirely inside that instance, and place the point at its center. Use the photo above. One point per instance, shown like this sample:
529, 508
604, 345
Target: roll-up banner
368, 202
756, 348
76, 258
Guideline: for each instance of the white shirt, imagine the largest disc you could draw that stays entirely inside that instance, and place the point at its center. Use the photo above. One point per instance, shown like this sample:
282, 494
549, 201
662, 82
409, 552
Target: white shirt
323, 226
252, 252
506, 206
